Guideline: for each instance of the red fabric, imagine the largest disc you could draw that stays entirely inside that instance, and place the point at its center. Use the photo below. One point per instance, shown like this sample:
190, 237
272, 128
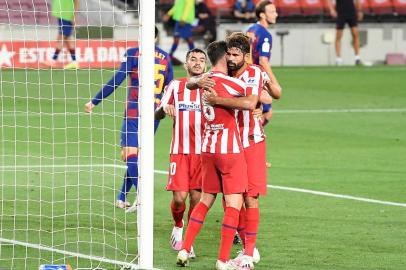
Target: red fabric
228, 229
400, 6
195, 224
255, 157
251, 230
288, 7
184, 172
312, 7
226, 173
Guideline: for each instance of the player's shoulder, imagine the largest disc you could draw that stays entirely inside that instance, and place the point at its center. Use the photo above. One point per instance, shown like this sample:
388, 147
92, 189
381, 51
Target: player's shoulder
161, 54
254, 67
225, 79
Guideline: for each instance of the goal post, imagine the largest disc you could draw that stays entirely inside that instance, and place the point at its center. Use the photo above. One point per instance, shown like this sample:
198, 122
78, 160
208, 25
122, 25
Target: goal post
61, 168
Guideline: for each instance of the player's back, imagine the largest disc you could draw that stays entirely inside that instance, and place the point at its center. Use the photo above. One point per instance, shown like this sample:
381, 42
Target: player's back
221, 132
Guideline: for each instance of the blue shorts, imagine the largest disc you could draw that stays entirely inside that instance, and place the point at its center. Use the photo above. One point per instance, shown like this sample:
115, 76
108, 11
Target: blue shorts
183, 31
65, 27
129, 132
266, 107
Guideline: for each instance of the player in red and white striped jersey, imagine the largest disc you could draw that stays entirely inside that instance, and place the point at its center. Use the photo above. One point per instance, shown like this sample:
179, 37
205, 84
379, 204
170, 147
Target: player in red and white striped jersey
223, 162
252, 136
185, 163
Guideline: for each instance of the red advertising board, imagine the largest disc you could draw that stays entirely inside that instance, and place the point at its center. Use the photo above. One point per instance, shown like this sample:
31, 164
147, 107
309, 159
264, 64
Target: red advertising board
89, 53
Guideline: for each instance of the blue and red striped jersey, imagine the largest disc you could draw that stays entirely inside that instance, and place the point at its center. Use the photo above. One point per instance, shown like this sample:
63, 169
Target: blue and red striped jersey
129, 67
260, 41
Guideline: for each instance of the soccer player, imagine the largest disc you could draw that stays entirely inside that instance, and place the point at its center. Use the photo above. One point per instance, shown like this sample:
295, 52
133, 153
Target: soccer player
252, 137
129, 130
261, 45
347, 12
223, 163
183, 13
64, 11
185, 165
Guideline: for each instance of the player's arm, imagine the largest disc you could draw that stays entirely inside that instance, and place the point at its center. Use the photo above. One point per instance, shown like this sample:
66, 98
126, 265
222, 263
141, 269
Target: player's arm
265, 97
331, 8
240, 103
358, 7
166, 106
203, 82
111, 86
76, 4
273, 85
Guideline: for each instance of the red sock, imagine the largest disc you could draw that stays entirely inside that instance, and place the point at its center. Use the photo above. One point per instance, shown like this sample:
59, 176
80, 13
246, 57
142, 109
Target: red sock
228, 229
177, 214
195, 224
241, 225
189, 213
251, 229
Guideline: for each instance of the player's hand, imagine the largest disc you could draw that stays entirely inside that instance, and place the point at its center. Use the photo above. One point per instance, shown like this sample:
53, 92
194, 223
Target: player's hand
257, 113
89, 107
333, 13
170, 110
205, 82
166, 18
209, 96
265, 97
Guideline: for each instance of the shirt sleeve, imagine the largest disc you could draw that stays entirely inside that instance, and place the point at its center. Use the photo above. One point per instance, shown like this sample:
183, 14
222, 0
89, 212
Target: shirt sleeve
265, 46
254, 82
118, 78
167, 98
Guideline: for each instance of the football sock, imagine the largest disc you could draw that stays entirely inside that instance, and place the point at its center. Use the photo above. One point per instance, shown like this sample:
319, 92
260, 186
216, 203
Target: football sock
228, 229
189, 213
177, 214
125, 188
190, 44
56, 54
174, 47
73, 54
195, 224
132, 169
251, 229
241, 225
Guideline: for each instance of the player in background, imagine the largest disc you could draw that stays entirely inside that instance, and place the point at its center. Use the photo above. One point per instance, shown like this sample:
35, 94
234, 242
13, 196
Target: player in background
129, 130
183, 13
185, 165
261, 46
223, 162
64, 11
347, 11
252, 137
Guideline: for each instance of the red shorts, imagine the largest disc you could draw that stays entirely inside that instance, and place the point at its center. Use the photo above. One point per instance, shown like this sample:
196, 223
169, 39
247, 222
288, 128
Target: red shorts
184, 172
255, 155
226, 173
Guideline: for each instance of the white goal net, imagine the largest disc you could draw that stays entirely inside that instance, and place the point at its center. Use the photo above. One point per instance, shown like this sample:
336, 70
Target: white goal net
61, 168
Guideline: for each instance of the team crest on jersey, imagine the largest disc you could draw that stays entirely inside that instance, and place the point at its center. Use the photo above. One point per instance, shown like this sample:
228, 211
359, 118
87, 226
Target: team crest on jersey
189, 106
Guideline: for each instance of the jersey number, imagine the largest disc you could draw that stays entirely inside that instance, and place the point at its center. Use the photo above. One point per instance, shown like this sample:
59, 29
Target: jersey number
159, 78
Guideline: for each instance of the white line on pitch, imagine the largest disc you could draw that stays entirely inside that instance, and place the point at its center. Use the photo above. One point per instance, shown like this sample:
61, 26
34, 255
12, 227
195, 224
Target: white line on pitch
73, 254
287, 111
309, 191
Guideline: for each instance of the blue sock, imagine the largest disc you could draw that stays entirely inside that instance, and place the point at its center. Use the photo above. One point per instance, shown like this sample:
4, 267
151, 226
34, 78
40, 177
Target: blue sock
191, 44
73, 54
132, 170
174, 47
125, 188
56, 54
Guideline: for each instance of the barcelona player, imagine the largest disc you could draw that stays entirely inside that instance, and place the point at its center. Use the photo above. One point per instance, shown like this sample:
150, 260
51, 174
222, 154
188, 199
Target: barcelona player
129, 130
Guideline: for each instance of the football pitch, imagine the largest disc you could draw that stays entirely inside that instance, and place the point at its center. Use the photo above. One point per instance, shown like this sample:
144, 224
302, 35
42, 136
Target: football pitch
337, 186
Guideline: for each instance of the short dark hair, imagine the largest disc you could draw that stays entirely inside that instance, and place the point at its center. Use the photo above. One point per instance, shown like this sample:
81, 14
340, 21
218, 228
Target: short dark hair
195, 50
156, 31
260, 8
238, 40
216, 50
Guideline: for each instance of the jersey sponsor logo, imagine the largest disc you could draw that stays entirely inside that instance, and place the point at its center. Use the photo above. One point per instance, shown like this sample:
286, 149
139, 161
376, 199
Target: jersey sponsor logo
266, 47
251, 82
189, 106
214, 127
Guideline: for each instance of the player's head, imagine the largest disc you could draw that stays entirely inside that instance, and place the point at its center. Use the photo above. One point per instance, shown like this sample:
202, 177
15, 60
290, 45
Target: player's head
217, 51
266, 12
238, 49
196, 60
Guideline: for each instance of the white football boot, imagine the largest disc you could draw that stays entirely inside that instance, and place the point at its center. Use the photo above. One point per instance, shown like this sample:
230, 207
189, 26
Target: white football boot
176, 238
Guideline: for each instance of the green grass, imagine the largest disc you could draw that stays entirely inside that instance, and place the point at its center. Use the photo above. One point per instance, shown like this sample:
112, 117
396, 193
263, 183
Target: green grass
360, 154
